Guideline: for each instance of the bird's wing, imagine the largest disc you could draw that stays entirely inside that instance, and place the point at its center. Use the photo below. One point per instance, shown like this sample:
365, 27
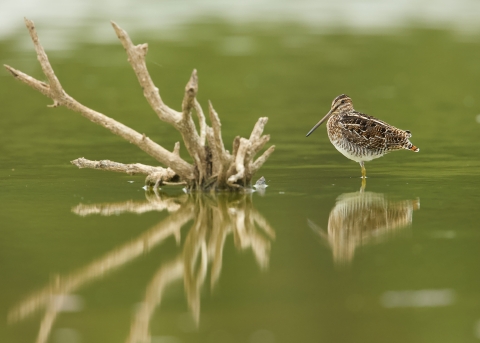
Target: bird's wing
372, 133
365, 131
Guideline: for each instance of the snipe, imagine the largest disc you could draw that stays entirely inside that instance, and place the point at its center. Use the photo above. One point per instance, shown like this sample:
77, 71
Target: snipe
361, 137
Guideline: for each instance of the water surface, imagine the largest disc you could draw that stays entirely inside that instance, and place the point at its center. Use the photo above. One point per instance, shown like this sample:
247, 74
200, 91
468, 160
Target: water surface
88, 256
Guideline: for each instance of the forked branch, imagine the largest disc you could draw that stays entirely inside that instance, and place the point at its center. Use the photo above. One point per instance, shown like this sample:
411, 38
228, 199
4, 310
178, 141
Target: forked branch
213, 168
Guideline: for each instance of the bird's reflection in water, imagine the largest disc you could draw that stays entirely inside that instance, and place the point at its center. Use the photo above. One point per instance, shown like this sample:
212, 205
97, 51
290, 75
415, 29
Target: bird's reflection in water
362, 218
214, 219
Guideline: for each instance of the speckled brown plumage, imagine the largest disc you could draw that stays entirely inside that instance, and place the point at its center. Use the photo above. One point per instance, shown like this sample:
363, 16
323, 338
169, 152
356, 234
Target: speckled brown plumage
361, 137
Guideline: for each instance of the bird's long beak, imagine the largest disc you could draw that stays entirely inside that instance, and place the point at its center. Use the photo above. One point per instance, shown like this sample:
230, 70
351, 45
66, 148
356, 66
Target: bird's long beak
319, 123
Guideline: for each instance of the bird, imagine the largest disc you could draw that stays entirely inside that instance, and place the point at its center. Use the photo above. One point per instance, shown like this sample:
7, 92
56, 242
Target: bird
361, 137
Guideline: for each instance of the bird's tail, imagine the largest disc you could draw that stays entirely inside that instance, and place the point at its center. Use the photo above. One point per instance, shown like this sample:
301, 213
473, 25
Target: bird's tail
410, 146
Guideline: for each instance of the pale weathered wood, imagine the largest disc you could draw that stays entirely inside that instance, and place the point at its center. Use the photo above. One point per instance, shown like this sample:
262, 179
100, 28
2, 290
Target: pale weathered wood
213, 168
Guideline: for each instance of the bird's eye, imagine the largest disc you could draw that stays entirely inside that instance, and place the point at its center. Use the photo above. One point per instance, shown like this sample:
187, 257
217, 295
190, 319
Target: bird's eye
343, 101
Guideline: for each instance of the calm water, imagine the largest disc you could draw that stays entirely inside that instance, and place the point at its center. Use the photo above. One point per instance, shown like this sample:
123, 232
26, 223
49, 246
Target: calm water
87, 256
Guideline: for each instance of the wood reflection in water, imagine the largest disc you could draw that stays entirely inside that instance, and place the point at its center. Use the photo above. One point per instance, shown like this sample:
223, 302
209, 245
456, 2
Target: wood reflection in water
214, 219
362, 218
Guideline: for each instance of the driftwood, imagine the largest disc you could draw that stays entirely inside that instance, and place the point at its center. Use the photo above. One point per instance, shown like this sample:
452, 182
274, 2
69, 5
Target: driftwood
214, 167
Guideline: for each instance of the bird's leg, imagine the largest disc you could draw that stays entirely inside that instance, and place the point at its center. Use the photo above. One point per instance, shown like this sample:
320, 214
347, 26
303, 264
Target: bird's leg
364, 176
364, 171
364, 184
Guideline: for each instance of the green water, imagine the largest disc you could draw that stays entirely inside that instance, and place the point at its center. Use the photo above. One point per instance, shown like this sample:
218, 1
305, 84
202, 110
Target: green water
311, 260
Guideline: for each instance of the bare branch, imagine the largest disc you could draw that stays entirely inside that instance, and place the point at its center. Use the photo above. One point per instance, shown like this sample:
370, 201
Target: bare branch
261, 160
235, 145
215, 155
191, 90
258, 129
156, 176
55, 86
40, 86
202, 122
176, 149
240, 160
181, 121
258, 144
194, 143
130, 169
222, 157
258, 141
136, 57
217, 133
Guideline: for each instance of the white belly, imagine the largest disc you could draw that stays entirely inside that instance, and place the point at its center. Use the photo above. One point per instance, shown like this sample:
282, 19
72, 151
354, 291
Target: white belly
361, 156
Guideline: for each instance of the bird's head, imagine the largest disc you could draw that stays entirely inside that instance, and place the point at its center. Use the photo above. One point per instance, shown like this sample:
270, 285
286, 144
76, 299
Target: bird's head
339, 104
